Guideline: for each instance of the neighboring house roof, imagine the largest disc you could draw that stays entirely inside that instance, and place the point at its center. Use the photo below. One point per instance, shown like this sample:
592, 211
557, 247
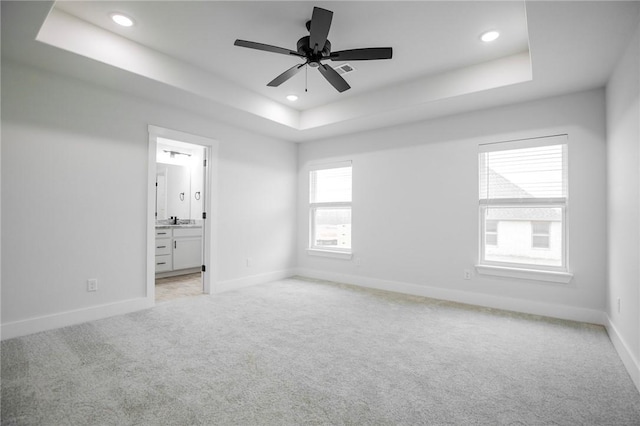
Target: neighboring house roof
501, 187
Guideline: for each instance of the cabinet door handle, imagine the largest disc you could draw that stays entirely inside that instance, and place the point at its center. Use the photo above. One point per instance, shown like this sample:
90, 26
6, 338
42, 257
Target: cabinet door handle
161, 263
162, 233
175, 245
161, 246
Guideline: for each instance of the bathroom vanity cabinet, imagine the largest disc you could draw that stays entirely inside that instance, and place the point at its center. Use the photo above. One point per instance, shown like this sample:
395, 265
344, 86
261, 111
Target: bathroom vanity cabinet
164, 244
187, 248
178, 248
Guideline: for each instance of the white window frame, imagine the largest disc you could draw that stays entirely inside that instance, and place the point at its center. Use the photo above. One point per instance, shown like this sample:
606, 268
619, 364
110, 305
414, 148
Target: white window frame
319, 250
560, 274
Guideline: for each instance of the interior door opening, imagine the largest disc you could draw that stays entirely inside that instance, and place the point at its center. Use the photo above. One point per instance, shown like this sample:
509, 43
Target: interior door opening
178, 201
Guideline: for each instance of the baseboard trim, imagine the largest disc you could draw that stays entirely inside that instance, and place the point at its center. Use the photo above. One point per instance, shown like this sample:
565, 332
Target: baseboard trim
64, 319
237, 283
630, 362
485, 300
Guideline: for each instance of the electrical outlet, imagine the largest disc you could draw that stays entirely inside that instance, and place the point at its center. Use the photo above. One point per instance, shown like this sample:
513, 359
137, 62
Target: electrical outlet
618, 305
249, 262
92, 284
467, 274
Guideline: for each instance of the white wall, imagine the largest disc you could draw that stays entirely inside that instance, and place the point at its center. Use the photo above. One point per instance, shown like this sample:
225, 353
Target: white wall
74, 182
623, 178
415, 206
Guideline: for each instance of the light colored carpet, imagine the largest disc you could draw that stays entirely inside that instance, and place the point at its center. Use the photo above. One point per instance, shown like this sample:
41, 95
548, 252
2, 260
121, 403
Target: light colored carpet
305, 352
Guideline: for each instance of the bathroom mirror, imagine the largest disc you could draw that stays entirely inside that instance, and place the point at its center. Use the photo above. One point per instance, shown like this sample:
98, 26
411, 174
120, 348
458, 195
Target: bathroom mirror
173, 191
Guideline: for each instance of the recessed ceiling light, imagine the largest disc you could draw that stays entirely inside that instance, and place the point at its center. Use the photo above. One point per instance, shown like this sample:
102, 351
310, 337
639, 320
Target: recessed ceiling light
292, 98
489, 36
121, 19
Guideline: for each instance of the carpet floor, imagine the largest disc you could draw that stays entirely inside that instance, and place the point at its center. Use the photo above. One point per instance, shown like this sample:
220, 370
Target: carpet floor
300, 351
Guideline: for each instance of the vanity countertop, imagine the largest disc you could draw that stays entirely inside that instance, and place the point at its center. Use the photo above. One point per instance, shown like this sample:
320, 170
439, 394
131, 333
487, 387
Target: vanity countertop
186, 225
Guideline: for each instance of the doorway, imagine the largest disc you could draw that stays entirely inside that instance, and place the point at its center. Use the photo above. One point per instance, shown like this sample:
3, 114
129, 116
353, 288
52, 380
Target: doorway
180, 214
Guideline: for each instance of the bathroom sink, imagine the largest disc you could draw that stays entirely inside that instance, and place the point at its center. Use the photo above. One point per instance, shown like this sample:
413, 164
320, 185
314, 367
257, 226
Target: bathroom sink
183, 223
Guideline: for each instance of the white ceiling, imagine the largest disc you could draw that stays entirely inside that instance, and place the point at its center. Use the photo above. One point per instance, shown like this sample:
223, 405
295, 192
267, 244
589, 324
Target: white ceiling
427, 38
182, 53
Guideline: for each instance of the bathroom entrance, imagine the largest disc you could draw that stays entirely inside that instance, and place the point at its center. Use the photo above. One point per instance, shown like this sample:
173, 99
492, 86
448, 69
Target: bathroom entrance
180, 181
179, 176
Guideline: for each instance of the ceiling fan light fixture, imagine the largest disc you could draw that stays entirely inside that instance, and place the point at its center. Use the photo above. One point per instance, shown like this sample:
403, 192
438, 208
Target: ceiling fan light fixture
122, 20
292, 98
489, 36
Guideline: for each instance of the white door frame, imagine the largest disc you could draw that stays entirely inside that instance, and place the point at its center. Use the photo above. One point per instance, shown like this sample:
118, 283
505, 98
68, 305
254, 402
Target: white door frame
209, 206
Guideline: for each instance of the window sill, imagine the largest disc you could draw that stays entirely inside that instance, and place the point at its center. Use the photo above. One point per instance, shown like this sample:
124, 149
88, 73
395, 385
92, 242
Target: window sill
528, 274
330, 253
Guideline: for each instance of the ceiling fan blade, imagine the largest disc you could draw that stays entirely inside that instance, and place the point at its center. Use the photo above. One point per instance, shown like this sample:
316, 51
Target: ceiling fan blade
365, 54
266, 47
319, 29
285, 75
334, 78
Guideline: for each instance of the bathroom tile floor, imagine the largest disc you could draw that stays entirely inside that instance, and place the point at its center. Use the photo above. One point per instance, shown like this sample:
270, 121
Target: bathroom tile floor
178, 287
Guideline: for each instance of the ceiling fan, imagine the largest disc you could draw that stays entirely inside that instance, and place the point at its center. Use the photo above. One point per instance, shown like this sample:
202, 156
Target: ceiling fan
315, 48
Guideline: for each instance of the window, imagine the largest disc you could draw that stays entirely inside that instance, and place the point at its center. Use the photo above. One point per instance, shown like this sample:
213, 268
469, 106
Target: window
540, 232
491, 233
523, 193
330, 208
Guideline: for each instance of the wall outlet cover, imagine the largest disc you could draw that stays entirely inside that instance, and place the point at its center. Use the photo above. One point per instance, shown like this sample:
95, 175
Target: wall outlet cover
92, 284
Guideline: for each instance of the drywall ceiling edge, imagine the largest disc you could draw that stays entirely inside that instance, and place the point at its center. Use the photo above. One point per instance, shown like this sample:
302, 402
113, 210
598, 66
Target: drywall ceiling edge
69, 33
66, 32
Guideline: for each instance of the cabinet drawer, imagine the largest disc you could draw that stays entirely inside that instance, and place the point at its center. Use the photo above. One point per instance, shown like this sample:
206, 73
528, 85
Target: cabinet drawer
163, 232
163, 263
163, 246
187, 232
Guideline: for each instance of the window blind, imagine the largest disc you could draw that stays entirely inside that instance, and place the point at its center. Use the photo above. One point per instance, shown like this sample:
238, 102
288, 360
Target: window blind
524, 171
330, 185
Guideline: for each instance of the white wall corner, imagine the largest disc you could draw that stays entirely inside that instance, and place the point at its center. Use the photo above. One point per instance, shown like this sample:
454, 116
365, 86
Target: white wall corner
64, 319
628, 359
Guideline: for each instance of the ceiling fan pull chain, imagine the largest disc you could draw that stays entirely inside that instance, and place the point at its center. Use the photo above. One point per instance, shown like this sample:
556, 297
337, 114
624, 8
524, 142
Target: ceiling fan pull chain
306, 73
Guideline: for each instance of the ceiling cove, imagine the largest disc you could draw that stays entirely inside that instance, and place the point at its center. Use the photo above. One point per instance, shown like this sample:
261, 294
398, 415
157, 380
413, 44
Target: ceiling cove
188, 46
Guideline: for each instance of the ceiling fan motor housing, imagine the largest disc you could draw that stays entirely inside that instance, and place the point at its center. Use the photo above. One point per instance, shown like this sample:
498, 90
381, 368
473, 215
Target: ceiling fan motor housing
305, 49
